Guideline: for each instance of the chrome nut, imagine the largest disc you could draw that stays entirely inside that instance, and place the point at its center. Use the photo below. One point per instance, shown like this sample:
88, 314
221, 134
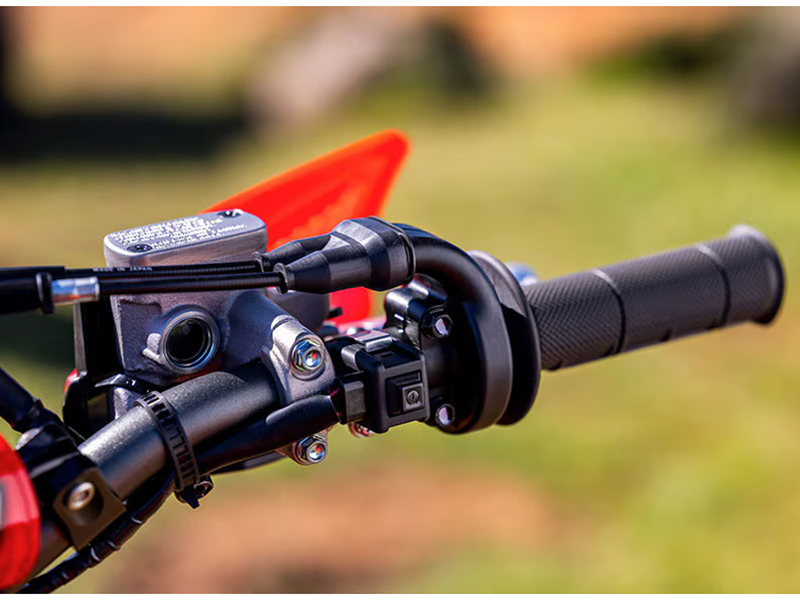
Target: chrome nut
308, 356
311, 450
80, 496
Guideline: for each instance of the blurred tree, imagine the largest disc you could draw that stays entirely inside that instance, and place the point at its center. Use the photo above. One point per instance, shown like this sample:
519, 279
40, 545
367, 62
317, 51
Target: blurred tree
767, 82
455, 66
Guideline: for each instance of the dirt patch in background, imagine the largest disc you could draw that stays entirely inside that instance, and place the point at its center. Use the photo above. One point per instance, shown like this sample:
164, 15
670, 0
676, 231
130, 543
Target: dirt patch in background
66, 54
338, 532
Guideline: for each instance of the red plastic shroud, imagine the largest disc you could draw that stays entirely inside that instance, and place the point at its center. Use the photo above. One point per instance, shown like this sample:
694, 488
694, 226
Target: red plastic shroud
19, 519
313, 198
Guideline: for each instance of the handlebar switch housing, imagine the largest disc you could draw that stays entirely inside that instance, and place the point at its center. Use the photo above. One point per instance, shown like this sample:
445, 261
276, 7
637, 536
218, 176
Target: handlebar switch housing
384, 381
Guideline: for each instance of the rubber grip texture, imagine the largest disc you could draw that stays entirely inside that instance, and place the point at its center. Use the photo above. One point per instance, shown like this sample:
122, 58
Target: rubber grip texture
648, 300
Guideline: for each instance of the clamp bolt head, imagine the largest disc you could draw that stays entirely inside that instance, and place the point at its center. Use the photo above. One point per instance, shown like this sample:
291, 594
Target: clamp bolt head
311, 450
439, 326
80, 496
445, 415
307, 355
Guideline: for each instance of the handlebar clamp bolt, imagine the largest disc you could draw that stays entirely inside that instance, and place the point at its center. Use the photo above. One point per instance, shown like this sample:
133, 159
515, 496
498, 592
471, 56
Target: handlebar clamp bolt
438, 325
445, 415
311, 450
80, 496
307, 355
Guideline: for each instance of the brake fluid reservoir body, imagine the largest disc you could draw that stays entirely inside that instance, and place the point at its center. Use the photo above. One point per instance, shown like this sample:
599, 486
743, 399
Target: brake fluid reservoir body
165, 337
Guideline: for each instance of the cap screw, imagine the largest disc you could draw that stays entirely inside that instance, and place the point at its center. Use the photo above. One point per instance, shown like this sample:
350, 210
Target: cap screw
139, 248
80, 496
230, 213
445, 415
311, 450
307, 355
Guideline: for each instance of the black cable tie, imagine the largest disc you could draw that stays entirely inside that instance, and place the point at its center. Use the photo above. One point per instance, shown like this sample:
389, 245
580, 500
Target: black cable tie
187, 475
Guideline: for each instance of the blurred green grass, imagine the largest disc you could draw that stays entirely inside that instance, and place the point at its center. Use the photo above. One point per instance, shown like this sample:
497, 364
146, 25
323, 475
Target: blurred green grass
679, 461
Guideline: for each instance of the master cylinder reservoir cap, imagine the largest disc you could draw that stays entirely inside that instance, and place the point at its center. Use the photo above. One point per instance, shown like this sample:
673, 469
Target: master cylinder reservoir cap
212, 237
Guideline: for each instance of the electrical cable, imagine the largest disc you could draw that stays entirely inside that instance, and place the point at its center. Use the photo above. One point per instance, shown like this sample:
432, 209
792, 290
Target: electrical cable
145, 501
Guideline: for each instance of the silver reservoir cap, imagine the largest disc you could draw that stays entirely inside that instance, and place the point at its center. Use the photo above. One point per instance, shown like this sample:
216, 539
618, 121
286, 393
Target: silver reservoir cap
230, 235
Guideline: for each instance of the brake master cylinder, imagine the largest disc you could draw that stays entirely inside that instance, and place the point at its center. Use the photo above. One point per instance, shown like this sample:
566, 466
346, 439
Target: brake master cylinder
165, 338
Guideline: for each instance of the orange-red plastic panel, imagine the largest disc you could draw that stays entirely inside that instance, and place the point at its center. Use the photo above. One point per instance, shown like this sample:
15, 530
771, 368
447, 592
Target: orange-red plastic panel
19, 519
313, 198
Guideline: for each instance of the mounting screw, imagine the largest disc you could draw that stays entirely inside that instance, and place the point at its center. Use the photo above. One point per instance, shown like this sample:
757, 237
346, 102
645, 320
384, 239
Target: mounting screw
230, 213
359, 431
80, 496
139, 248
311, 450
439, 325
445, 415
307, 355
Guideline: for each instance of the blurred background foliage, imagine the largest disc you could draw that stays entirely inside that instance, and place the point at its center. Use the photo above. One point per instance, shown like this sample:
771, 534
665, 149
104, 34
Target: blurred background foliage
562, 137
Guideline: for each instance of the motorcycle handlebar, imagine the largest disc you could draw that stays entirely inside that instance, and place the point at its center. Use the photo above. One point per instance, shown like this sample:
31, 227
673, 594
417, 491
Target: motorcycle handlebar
232, 416
600, 312
130, 450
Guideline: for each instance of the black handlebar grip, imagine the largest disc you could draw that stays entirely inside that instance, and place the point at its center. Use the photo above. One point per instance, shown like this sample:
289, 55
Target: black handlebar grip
644, 301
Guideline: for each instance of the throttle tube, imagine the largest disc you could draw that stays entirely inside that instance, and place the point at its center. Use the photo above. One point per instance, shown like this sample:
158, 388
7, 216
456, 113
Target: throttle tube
628, 305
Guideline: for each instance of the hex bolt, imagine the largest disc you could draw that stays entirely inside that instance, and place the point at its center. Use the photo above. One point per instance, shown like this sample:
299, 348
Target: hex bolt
307, 355
80, 496
445, 415
311, 450
439, 326
359, 431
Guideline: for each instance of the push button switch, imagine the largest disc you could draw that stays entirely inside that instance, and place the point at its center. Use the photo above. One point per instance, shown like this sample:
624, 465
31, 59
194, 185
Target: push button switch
405, 393
386, 384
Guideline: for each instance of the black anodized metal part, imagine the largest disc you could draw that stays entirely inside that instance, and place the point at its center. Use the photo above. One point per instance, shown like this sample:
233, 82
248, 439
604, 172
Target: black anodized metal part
522, 334
484, 379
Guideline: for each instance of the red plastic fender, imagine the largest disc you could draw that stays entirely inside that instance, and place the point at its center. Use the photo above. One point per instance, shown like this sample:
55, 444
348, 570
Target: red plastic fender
19, 519
313, 198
